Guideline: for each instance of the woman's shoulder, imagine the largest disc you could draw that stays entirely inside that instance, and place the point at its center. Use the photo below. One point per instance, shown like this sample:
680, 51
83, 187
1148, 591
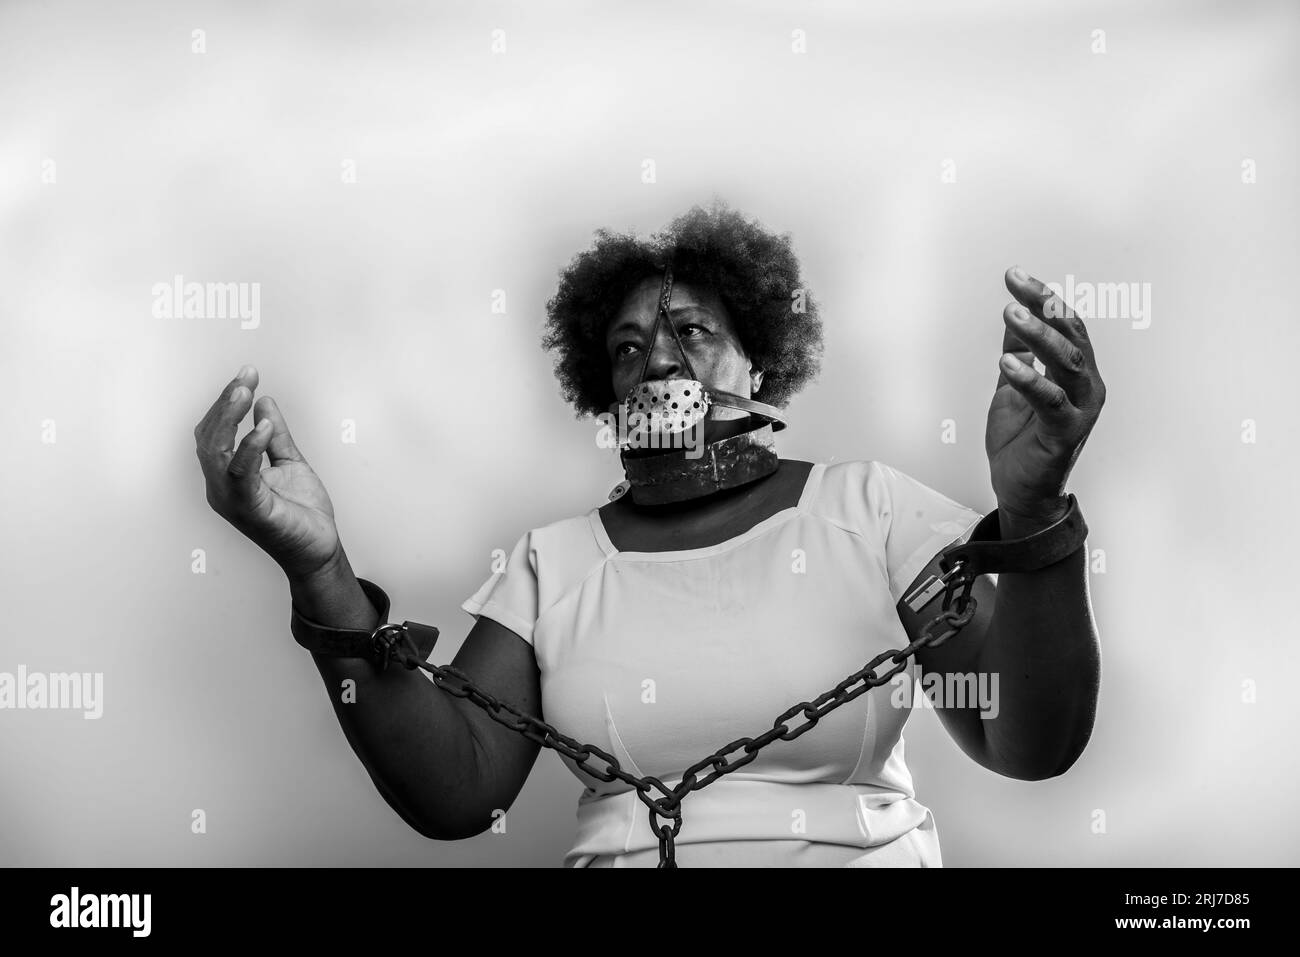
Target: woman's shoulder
849, 490
852, 481
572, 533
873, 478
876, 491
551, 559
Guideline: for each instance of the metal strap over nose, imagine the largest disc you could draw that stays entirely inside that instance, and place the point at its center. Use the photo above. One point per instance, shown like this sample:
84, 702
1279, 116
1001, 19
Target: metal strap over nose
665, 300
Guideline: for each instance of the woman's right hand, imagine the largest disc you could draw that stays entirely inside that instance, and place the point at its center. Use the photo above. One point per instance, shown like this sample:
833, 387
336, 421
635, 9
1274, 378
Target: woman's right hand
283, 509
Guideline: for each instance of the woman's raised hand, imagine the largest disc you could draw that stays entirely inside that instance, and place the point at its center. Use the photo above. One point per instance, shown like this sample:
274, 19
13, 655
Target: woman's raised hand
1038, 423
284, 509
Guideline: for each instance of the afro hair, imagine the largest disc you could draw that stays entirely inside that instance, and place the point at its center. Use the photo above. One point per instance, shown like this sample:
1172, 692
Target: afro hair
753, 271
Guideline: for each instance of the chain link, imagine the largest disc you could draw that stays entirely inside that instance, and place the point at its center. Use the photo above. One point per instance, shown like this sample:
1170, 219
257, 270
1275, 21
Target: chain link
398, 646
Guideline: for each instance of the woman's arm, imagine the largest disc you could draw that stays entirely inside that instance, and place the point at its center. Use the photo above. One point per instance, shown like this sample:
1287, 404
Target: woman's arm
1039, 643
1033, 645
1044, 643
439, 761
432, 756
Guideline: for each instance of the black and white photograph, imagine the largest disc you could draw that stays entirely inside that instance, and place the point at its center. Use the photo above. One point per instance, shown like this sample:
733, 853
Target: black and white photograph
590, 435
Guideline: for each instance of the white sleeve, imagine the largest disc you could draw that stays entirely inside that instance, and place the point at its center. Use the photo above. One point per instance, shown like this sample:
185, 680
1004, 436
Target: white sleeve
917, 522
509, 596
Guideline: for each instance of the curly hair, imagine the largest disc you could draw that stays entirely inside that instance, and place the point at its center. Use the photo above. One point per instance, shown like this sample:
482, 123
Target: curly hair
753, 271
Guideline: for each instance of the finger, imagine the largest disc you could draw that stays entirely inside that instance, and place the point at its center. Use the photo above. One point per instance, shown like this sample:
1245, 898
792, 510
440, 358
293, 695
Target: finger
1063, 360
217, 446
246, 465
215, 432
281, 447
1046, 398
1040, 300
1013, 344
213, 444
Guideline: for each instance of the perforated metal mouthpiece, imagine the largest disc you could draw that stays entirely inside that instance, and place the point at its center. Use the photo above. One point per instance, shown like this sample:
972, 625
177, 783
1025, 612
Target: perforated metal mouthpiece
664, 407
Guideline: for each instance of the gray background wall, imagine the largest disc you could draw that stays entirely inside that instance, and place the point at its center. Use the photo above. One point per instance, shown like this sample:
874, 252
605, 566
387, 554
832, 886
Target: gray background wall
478, 171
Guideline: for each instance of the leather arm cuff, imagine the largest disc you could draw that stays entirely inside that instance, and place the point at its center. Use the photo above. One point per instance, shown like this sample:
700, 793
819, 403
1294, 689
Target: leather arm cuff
385, 643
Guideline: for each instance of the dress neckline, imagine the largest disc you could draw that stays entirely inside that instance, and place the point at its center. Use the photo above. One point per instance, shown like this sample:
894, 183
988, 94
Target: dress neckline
811, 485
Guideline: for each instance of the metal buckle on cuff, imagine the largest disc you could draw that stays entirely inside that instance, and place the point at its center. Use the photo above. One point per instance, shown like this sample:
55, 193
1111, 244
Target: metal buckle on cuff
964, 583
385, 640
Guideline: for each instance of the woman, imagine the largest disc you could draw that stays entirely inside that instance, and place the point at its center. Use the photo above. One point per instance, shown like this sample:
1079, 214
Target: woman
660, 632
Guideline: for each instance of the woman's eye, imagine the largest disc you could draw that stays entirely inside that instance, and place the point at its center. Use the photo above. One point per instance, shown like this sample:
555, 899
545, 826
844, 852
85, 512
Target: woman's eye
690, 330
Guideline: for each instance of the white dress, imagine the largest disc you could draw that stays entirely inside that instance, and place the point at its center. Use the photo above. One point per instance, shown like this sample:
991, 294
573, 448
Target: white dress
661, 658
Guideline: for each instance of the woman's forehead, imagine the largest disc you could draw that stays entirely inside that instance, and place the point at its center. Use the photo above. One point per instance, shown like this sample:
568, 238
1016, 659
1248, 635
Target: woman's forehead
641, 304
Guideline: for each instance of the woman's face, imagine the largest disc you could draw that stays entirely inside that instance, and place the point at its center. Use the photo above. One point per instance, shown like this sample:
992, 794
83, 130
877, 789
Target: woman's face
707, 335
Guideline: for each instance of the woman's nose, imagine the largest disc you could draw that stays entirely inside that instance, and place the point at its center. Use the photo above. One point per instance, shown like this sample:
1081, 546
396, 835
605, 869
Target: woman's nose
665, 360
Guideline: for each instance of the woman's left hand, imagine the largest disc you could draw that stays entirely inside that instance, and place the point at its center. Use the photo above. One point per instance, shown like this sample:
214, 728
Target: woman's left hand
1038, 423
